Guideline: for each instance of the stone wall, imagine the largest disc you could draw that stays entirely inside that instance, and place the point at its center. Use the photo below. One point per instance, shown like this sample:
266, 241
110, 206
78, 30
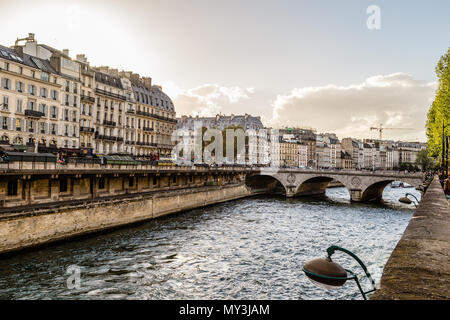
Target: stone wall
36, 227
419, 267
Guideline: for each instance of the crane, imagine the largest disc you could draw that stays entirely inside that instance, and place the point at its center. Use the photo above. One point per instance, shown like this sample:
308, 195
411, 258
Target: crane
380, 129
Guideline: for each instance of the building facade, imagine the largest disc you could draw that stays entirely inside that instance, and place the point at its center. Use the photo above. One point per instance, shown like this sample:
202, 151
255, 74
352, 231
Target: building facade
51, 102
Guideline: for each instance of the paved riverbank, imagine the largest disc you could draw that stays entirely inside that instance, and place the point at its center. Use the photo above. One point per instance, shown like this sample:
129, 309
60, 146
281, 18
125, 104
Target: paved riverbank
419, 267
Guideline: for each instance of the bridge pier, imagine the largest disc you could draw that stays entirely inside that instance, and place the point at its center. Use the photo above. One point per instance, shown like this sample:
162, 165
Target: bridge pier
356, 195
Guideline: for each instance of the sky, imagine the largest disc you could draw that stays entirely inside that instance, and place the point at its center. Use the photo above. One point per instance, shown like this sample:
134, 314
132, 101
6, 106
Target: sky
294, 63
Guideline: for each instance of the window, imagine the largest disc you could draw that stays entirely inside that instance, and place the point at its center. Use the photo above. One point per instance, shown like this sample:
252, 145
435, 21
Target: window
6, 66
12, 188
19, 86
32, 89
155, 181
63, 185
33, 73
5, 123
5, 103
130, 182
6, 83
30, 105
101, 183
45, 76
53, 111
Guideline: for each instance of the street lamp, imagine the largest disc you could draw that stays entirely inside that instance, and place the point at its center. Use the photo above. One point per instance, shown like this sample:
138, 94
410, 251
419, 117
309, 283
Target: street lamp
406, 200
329, 274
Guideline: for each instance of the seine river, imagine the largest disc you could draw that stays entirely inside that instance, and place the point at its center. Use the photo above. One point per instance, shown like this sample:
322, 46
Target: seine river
251, 248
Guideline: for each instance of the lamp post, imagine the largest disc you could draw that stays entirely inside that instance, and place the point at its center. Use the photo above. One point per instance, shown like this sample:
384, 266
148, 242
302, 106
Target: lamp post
327, 273
406, 200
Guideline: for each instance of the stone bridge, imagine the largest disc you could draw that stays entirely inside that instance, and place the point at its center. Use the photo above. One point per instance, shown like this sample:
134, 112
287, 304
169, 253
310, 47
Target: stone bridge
362, 185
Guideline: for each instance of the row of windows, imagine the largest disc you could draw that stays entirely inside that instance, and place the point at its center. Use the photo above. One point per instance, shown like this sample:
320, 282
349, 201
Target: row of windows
32, 89
140, 97
45, 76
34, 126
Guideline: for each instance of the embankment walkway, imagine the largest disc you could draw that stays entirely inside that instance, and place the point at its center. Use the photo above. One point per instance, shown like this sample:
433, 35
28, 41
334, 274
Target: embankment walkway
419, 267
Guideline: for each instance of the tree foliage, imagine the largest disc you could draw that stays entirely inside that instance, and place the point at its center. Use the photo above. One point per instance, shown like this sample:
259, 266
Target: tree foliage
423, 161
439, 112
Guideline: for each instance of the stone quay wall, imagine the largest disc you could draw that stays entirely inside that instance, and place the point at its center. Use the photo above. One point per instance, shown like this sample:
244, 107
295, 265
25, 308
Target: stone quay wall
39, 226
419, 266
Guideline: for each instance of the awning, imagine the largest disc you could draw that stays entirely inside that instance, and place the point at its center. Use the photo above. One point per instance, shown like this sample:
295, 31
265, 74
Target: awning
6, 148
19, 147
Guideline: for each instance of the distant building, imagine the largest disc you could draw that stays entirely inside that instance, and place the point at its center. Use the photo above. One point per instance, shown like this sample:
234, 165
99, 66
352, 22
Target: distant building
408, 151
346, 160
302, 155
250, 125
306, 137
351, 146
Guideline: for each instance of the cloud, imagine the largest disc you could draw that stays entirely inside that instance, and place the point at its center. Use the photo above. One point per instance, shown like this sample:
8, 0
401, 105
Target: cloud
395, 100
205, 100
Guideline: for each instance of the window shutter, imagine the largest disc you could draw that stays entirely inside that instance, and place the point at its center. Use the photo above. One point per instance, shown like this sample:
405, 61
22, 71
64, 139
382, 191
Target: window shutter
46, 127
9, 124
45, 110
21, 124
56, 129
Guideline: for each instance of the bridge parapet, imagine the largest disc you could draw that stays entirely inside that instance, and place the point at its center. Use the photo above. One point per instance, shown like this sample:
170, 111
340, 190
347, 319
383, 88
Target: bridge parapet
362, 185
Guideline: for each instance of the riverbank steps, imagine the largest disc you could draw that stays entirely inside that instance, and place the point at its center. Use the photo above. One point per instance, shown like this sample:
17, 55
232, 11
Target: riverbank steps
36, 227
419, 267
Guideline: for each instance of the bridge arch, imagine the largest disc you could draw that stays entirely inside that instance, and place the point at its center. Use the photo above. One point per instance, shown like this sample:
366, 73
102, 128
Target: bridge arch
362, 186
318, 184
374, 191
262, 183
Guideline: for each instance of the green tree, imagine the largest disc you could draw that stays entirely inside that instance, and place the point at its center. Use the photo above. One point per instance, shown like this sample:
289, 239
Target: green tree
439, 112
424, 161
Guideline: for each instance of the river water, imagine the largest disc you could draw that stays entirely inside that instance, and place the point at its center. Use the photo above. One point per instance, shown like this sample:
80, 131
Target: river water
250, 248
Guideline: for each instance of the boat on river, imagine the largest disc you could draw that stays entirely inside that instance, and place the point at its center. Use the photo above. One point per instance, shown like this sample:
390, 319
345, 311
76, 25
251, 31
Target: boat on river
398, 184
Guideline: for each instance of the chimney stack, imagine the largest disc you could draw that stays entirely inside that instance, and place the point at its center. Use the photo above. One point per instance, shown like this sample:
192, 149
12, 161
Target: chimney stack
147, 82
82, 58
135, 78
66, 52
114, 72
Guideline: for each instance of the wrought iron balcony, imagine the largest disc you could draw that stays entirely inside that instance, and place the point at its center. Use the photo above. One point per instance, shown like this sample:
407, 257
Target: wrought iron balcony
34, 113
109, 123
110, 94
87, 99
86, 129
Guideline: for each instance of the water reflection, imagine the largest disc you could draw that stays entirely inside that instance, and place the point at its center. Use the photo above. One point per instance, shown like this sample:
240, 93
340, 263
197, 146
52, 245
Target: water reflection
246, 249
